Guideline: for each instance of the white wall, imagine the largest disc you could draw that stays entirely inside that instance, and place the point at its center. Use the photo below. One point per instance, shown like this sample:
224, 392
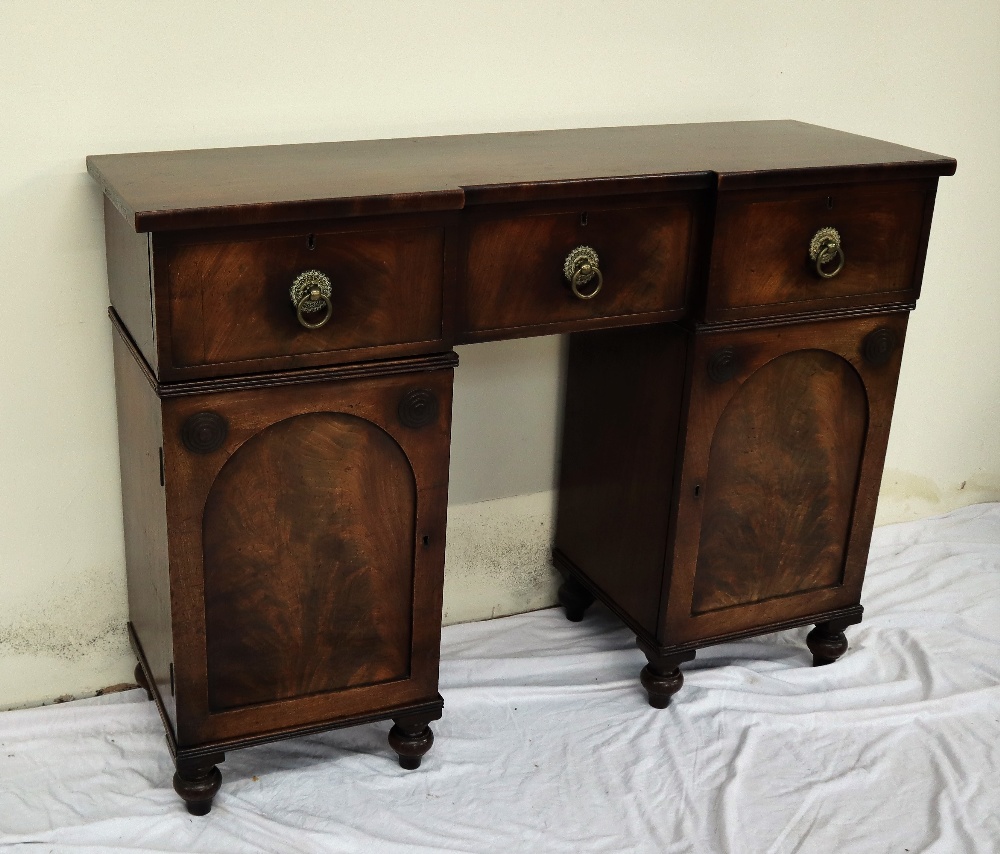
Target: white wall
100, 77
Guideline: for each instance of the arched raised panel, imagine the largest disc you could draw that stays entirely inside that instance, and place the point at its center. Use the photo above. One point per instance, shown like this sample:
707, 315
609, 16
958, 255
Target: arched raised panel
308, 537
783, 471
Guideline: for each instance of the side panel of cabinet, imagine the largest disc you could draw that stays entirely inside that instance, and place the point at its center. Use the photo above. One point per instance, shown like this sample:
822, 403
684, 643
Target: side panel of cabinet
623, 405
129, 281
782, 460
144, 514
307, 561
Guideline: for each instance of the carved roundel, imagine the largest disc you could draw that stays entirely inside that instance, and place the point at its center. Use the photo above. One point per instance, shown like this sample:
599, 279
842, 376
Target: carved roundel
204, 432
723, 365
418, 408
879, 345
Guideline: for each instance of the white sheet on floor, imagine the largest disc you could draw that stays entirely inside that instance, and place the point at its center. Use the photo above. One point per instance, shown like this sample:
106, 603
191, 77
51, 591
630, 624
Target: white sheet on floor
547, 743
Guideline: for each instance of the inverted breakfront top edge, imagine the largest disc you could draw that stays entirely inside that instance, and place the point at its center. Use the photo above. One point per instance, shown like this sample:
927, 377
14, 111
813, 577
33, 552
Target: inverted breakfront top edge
171, 190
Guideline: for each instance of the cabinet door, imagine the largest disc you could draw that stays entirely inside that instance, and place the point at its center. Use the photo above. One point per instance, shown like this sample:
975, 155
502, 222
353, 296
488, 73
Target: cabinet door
782, 459
307, 553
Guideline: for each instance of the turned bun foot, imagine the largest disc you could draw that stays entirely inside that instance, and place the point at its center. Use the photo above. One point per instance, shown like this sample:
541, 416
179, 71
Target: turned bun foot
827, 643
197, 782
411, 739
661, 686
575, 598
142, 681
662, 677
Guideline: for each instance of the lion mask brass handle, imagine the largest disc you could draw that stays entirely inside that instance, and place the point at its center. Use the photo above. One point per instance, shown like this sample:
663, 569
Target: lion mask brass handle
824, 249
311, 292
580, 268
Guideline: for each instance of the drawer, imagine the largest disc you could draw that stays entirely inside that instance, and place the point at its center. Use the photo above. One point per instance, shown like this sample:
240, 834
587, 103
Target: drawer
226, 301
514, 267
761, 262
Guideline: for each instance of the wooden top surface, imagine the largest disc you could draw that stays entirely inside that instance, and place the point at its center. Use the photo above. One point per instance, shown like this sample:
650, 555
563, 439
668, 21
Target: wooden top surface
168, 190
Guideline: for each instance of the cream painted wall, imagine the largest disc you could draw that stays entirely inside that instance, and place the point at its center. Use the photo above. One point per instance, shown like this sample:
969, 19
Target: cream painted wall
105, 76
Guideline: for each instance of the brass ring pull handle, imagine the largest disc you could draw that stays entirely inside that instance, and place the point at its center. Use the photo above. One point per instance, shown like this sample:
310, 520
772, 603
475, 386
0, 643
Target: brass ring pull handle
825, 248
311, 292
579, 269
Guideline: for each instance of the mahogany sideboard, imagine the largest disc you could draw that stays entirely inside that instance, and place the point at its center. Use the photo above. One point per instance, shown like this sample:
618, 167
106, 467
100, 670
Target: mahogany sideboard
284, 317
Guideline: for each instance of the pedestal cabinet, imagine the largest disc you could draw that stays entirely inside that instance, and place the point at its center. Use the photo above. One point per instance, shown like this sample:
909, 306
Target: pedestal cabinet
766, 444
284, 318
292, 539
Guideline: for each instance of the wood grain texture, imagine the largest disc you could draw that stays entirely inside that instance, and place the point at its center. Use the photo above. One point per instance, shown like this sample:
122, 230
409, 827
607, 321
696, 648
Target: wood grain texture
513, 264
754, 496
718, 479
431, 709
798, 430
622, 413
662, 676
305, 376
411, 737
169, 190
197, 781
409, 278
229, 303
782, 474
130, 283
144, 515
306, 559
827, 642
760, 262
308, 544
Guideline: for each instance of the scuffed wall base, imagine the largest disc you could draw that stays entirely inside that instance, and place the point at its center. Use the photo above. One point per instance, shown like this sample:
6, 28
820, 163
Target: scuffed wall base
71, 644
37, 680
906, 497
497, 563
498, 559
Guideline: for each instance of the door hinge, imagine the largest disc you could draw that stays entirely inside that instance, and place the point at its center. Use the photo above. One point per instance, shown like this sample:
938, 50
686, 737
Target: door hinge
162, 478
171, 679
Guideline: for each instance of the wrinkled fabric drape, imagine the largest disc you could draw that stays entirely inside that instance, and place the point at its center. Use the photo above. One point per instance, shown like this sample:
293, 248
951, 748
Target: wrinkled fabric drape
547, 743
